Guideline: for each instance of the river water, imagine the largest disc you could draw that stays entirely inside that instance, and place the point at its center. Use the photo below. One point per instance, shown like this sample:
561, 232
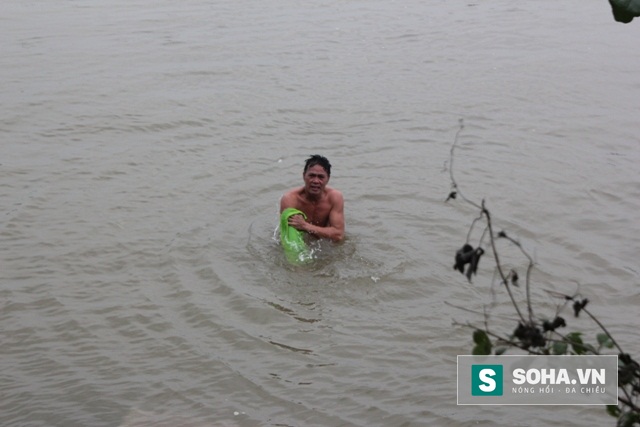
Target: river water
145, 146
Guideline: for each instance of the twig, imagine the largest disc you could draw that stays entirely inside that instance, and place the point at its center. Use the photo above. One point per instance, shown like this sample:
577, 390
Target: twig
497, 258
498, 337
528, 275
468, 310
630, 385
454, 184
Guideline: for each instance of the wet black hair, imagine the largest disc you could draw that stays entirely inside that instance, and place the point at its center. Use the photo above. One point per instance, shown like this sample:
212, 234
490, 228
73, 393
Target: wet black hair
317, 159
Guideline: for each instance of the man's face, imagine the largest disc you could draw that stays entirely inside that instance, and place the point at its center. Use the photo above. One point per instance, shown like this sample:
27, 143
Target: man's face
315, 179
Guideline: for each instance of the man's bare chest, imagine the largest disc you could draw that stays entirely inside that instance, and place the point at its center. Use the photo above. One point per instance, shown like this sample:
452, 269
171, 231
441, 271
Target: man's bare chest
317, 213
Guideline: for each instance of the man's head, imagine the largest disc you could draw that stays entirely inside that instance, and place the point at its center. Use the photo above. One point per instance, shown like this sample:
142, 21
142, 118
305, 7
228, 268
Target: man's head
317, 171
317, 159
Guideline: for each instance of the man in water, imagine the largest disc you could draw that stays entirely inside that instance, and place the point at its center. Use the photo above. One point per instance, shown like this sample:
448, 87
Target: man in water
324, 206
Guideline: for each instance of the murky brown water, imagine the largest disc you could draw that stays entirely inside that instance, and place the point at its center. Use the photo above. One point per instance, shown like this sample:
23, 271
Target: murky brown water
145, 146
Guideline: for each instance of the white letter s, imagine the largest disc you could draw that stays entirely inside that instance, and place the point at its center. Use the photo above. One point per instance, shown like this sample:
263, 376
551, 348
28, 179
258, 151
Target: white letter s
489, 383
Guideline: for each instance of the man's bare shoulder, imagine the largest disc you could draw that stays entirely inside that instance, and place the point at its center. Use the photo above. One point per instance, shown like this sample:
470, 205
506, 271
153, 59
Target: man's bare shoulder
290, 198
334, 196
332, 192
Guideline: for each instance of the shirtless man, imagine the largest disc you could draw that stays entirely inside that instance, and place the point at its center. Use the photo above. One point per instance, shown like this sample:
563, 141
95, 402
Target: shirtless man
324, 206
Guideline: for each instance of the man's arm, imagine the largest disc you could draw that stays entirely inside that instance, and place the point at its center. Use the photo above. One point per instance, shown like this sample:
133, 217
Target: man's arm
287, 201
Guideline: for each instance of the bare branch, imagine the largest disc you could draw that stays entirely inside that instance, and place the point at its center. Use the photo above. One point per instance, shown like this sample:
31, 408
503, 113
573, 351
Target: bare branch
536, 335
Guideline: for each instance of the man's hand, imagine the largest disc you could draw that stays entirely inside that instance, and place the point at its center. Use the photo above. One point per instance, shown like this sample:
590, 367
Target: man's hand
298, 222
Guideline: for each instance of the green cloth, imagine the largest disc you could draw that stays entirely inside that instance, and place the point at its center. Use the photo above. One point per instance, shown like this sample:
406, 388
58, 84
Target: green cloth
292, 239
